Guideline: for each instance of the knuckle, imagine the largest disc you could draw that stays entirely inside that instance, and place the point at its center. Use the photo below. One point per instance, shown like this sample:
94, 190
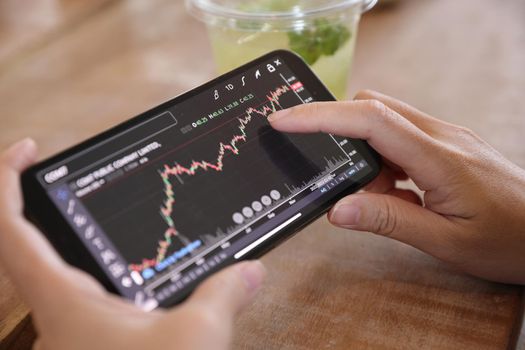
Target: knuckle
202, 317
375, 106
385, 222
364, 94
465, 147
464, 133
227, 280
209, 319
380, 113
218, 282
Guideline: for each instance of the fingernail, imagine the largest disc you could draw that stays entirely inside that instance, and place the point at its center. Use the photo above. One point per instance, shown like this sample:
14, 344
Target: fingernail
345, 215
278, 115
253, 274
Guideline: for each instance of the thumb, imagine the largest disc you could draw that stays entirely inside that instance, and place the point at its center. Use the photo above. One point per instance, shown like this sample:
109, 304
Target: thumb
228, 291
396, 218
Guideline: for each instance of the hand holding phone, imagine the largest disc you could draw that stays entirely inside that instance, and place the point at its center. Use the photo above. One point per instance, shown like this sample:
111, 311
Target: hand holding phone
71, 310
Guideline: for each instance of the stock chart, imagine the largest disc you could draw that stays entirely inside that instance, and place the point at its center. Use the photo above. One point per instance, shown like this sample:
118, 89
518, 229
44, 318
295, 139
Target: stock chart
200, 181
232, 169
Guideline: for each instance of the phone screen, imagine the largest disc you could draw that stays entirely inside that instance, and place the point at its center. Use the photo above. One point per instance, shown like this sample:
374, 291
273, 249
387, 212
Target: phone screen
199, 183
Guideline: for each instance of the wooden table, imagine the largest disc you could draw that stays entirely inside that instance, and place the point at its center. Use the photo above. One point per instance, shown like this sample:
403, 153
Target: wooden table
69, 69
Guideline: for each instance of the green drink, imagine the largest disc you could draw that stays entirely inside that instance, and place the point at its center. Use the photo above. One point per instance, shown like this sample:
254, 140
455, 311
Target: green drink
322, 32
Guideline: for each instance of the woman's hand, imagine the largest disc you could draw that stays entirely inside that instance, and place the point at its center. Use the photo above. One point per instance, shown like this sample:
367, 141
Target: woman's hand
473, 211
72, 311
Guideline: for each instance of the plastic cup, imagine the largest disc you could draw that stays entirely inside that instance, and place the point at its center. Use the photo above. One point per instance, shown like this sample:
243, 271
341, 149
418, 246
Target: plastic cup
323, 32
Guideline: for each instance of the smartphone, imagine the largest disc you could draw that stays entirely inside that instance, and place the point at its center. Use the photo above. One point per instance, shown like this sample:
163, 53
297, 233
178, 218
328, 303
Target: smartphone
156, 204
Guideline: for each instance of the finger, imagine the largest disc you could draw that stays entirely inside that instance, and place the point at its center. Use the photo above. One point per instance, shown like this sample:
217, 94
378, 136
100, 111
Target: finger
398, 171
13, 161
393, 136
400, 175
21, 154
398, 219
228, 291
406, 195
384, 182
422, 120
37, 345
28, 258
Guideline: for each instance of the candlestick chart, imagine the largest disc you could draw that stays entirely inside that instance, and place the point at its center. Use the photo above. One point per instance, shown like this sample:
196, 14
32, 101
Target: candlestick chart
230, 147
235, 166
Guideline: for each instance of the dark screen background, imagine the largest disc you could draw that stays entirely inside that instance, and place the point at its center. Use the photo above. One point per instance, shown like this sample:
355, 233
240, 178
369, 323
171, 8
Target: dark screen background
128, 207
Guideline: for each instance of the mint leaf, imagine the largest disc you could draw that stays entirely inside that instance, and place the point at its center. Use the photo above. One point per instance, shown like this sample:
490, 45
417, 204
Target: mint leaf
323, 39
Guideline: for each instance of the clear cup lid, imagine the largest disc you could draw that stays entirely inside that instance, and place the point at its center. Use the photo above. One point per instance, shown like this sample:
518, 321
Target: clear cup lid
279, 14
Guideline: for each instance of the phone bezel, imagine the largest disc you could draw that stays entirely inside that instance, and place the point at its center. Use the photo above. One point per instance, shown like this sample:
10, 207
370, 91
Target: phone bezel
40, 209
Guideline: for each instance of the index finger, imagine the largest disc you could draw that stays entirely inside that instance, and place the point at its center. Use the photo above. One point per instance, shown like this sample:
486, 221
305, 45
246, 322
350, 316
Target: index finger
422, 120
392, 135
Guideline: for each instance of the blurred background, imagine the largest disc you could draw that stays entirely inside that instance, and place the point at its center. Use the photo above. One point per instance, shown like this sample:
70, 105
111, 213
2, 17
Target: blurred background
71, 68
86, 65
